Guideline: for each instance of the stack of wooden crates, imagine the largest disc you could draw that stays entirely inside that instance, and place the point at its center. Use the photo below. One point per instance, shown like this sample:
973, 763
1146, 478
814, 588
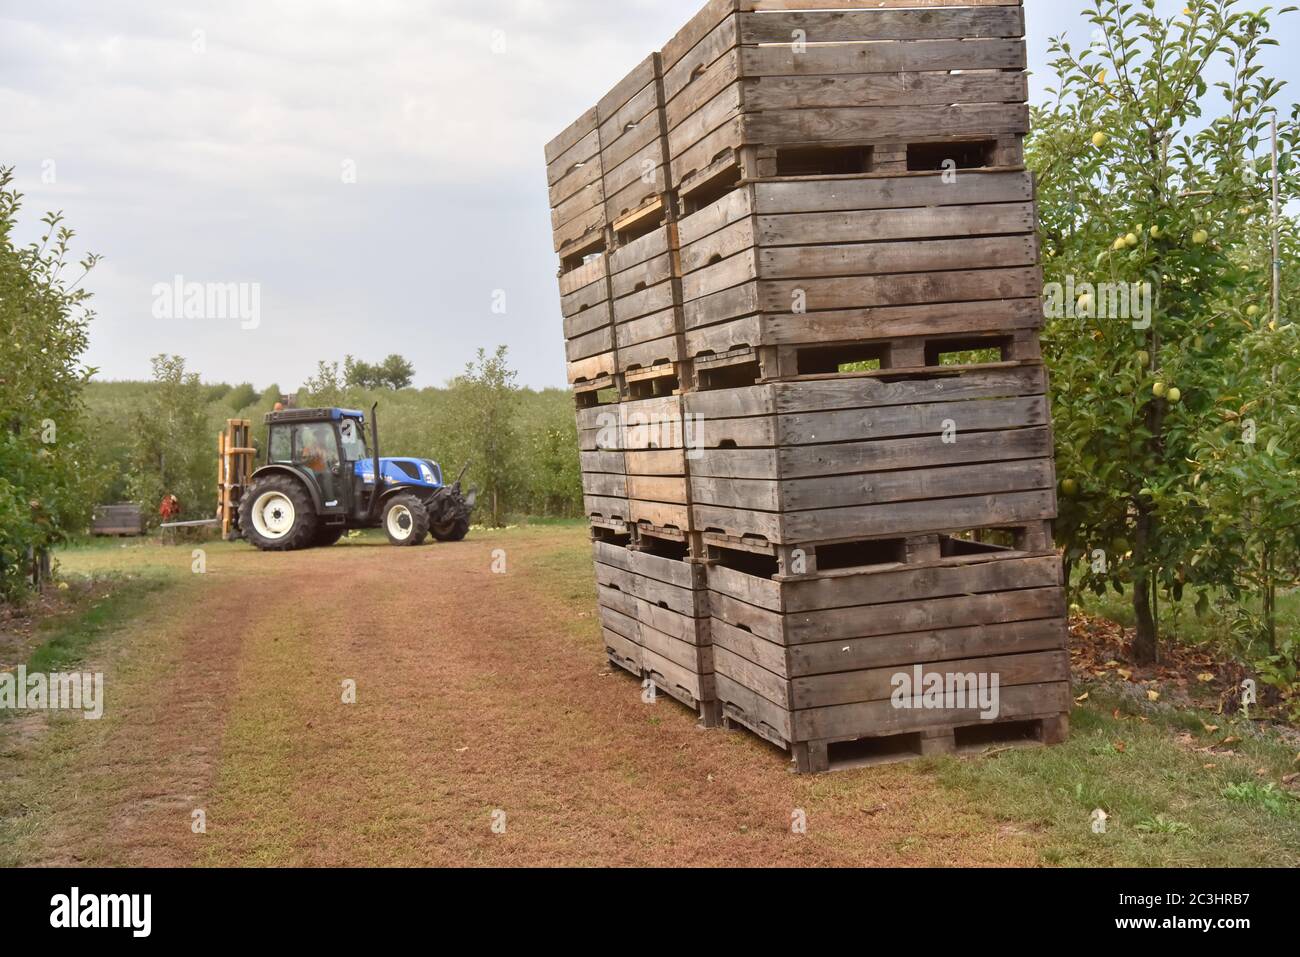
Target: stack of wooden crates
801, 296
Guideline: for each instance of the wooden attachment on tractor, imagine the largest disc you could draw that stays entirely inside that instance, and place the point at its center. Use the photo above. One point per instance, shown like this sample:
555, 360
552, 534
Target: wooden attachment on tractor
236, 459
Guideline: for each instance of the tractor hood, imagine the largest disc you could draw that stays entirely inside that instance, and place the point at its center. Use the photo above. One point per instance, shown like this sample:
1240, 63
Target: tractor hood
417, 472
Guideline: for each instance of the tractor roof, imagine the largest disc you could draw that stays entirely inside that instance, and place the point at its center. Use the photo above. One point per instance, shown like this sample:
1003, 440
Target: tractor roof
313, 415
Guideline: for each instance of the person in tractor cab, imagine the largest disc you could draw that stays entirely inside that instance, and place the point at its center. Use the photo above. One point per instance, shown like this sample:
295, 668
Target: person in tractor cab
313, 454
317, 449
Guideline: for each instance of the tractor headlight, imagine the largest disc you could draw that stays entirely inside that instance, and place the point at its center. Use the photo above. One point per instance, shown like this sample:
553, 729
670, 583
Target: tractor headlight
428, 474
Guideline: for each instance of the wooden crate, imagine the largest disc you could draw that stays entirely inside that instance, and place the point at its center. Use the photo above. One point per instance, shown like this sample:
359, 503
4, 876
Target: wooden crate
657, 443
605, 472
604, 467
634, 148
869, 457
647, 306
124, 521
577, 190
617, 608
898, 272
588, 322
755, 89
809, 664
655, 613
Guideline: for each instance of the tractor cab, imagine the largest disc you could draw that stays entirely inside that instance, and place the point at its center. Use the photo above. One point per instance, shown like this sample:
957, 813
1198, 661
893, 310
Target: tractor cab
328, 447
319, 481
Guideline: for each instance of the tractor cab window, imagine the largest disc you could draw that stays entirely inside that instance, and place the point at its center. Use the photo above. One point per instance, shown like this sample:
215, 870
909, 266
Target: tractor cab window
281, 443
354, 440
313, 446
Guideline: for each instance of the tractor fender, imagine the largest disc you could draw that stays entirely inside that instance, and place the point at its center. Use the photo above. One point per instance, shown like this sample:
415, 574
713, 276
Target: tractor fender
302, 475
416, 490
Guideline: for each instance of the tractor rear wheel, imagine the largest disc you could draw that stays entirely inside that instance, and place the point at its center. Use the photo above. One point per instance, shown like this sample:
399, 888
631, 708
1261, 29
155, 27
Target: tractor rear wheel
406, 522
277, 515
454, 531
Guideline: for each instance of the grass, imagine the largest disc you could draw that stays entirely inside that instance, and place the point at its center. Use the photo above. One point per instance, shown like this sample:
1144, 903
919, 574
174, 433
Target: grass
1167, 803
1180, 619
69, 639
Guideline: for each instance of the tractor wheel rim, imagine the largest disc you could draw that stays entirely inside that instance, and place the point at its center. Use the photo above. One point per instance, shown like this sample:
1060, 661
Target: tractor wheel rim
400, 522
274, 515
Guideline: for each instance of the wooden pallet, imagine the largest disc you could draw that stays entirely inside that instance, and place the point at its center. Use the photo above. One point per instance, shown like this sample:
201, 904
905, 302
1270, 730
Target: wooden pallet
737, 80
819, 757
658, 380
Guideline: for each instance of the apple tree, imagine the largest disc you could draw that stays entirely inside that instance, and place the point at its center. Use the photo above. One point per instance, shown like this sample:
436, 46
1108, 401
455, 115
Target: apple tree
1149, 178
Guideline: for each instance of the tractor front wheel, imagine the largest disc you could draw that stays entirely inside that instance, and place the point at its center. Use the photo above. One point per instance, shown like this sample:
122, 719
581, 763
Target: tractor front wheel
405, 520
277, 515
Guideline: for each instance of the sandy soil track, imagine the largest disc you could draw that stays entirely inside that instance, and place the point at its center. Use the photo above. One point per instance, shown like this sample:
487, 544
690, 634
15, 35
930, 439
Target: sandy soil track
475, 693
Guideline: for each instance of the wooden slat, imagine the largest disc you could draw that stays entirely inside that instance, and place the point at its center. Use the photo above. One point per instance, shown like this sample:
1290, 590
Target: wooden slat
895, 518
881, 717
884, 123
845, 491
883, 89
871, 25
904, 56
889, 192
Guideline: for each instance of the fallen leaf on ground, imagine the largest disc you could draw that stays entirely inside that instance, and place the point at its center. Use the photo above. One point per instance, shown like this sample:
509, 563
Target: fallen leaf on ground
1124, 673
1205, 678
1209, 728
1119, 746
1153, 695
1082, 698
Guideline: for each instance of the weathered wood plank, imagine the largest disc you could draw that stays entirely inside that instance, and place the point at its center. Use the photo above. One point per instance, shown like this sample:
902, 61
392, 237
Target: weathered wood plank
872, 521
881, 717
858, 25
905, 56
883, 89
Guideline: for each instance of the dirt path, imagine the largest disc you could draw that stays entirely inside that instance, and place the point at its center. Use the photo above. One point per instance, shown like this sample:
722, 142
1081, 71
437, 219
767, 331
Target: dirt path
476, 693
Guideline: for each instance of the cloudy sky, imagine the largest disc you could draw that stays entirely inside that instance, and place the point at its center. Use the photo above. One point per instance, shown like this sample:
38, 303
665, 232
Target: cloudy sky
374, 166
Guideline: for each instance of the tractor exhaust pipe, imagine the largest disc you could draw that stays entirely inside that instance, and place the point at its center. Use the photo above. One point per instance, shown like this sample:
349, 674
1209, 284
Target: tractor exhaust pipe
374, 433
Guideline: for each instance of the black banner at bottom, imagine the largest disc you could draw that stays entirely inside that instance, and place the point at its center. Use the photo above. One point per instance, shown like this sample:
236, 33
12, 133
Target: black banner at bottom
334, 906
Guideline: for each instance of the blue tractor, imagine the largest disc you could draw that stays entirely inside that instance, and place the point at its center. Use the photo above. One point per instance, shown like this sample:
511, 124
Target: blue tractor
318, 482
